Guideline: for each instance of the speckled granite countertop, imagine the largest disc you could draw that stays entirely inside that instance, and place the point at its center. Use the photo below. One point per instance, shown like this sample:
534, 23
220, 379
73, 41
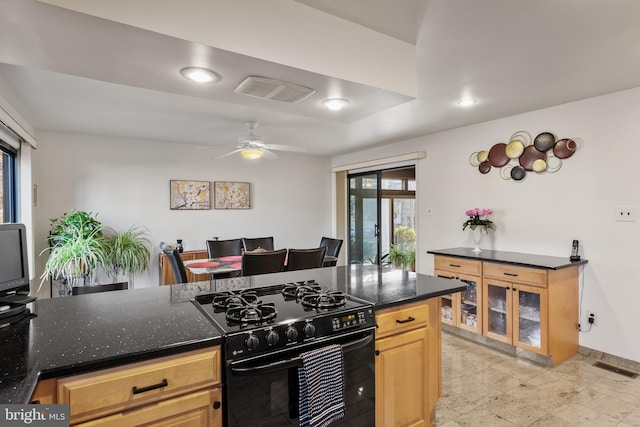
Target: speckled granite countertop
513, 258
88, 332
82, 333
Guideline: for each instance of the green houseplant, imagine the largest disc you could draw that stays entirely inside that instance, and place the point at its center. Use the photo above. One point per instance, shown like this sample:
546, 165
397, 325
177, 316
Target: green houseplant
77, 247
401, 257
128, 253
402, 254
79, 244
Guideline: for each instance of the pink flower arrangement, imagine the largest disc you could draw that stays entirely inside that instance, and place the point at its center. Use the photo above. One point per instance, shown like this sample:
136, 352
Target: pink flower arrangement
478, 217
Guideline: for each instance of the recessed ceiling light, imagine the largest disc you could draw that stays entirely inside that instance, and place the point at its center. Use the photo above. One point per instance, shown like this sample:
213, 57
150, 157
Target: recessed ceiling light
200, 75
335, 104
466, 102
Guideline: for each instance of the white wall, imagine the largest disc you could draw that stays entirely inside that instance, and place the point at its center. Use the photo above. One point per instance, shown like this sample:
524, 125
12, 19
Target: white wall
127, 182
543, 213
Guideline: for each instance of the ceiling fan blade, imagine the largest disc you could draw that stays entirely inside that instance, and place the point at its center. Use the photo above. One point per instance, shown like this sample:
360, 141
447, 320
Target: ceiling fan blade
284, 148
229, 154
269, 154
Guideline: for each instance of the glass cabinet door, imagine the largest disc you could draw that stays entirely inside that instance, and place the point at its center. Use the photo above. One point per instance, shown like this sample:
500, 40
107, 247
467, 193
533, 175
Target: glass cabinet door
448, 303
531, 315
470, 314
498, 306
447, 309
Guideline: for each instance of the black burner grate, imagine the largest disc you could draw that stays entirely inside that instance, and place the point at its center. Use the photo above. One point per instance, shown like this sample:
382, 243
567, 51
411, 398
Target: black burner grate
299, 289
252, 313
324, 300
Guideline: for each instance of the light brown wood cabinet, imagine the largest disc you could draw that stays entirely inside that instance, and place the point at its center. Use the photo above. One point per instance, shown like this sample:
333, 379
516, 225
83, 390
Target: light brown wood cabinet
462, 309
166, 273
183, 389
540, 308
45, 392
535, 309
408, 361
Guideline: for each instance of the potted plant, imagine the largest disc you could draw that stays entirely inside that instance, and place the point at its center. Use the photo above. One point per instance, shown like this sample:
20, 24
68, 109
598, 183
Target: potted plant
401, 257
478, 221
77, 247
403, 252
128, 253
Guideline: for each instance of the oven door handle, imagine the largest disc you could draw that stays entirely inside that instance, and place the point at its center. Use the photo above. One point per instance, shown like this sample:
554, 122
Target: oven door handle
295, 362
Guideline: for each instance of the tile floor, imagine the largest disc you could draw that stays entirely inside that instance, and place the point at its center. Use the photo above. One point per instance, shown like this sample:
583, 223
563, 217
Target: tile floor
481, 386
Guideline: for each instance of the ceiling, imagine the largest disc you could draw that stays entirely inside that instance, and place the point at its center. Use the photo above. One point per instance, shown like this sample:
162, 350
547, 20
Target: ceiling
65, 70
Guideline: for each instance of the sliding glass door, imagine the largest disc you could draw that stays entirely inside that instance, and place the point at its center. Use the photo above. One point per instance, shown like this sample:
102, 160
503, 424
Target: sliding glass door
364, 218
381, 214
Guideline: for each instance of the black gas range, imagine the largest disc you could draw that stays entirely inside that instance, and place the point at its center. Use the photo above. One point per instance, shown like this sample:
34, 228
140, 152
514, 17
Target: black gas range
265, 332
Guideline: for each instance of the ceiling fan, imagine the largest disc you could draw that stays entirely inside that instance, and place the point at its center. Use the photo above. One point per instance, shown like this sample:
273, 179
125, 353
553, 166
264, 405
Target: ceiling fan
253, 147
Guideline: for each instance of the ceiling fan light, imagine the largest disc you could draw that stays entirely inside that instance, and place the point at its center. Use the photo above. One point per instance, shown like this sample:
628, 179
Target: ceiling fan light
335, 104
199, 75
466, 102
251, 153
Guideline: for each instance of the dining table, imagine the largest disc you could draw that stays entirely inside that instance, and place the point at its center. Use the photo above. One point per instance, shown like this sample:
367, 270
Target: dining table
228, 264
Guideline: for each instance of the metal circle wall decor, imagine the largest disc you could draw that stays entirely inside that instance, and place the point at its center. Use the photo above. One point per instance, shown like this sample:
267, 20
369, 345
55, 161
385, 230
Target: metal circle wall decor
522, 154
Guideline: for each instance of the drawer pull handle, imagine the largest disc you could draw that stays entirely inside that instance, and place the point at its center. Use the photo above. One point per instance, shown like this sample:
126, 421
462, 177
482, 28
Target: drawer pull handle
377, 352
137, 390
217, 405
455, 265
409, 319
511, 274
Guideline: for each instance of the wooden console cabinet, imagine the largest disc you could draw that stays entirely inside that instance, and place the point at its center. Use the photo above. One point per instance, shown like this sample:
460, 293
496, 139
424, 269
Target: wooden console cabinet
183, 389
408, 360
166, 273
463, 309
532, 308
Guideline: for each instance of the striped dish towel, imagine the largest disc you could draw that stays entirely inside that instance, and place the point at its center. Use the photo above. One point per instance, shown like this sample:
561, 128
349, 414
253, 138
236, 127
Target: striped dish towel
321, 386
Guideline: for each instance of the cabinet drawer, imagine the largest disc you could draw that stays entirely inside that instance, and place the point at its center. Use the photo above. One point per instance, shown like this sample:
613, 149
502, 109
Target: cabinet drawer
193, 409
511, 273
460, 265
397, 320
117, 389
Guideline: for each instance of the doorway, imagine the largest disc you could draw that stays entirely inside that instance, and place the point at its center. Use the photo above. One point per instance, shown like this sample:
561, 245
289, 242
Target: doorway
381, 215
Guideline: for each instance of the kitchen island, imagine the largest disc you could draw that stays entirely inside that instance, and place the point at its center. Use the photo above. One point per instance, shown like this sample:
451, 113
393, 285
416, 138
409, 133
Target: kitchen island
86, 333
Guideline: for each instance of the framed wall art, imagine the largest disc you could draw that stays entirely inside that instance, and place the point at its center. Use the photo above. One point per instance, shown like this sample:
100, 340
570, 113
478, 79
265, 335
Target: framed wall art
232, 195
189, 195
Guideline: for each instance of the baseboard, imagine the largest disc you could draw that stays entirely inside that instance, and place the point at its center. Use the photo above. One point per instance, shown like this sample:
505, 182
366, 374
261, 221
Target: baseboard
499, 346
601, 356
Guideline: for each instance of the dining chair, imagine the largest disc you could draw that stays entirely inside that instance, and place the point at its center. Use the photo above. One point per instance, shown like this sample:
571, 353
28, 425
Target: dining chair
300, 259
254, 263
179, 272
333, 249
251, 244
222, 248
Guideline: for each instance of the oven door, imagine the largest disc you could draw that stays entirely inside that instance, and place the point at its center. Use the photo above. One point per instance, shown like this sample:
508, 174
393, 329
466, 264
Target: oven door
264, 391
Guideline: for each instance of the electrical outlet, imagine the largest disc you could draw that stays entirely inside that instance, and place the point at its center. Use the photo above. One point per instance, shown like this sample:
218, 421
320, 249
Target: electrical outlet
592, 315
625, 213
429, 212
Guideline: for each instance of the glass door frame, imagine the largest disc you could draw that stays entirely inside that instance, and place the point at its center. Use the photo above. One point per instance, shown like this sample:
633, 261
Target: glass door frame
355, 248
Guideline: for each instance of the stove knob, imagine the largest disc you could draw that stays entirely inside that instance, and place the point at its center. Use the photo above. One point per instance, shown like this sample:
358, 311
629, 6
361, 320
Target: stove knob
272, 338
252, 342
291, 333
309, 330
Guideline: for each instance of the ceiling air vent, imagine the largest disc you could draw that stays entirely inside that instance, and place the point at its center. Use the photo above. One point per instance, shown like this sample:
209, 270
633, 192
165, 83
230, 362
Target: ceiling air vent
275, 90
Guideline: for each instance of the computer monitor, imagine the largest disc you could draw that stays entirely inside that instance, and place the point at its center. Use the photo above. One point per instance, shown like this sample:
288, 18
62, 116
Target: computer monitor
14, 263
